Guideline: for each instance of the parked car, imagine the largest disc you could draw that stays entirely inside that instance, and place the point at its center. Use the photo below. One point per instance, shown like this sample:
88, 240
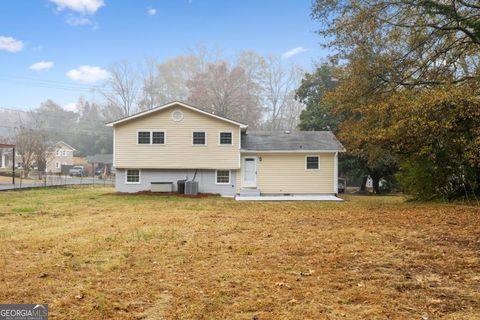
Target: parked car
78, 171
100, 172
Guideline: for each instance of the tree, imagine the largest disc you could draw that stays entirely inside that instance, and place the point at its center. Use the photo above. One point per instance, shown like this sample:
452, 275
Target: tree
227, 92
122, 88
278, 83
32, 147
313, 88
416, 42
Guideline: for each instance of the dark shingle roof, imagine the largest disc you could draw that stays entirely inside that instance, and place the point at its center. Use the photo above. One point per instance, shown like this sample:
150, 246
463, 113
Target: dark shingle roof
100, 158
301, 140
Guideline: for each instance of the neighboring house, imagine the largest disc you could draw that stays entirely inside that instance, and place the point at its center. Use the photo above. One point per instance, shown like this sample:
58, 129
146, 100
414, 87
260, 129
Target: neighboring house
178, 141
102, 161
60, 153
4, 158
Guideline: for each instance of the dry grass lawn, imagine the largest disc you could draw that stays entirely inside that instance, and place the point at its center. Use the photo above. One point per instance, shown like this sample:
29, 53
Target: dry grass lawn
92, 255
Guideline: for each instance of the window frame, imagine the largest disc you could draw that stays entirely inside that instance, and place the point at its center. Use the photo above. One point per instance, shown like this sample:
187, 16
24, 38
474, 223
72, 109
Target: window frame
223, 183
57, 165
151, 131
220, 138
64, 153
149, 137
59, 152
196, 144
164, 137
139, 176
306, 162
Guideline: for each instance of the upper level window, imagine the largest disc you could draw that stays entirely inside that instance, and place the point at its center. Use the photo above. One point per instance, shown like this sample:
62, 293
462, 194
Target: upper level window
225, 138
158, 137
64, 153
59, 152
143, 137
199, 137
312, 162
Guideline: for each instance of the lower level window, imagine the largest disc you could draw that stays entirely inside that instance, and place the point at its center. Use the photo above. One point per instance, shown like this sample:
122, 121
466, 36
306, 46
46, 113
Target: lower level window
132, 176
223, 176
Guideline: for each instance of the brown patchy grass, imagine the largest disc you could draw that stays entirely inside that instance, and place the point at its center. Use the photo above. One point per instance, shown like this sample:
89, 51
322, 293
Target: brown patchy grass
93, 256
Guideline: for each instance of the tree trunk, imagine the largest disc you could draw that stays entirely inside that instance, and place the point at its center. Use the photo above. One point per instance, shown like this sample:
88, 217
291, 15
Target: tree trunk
376, 184
363, 187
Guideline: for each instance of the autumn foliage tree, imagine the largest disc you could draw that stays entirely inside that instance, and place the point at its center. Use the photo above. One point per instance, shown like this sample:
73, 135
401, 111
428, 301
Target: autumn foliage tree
407, 92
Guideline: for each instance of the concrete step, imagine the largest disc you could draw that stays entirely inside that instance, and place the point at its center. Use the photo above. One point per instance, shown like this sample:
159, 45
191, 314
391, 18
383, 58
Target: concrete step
249, 192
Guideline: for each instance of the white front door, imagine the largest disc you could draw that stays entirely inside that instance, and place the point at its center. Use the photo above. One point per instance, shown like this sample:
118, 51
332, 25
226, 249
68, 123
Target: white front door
249, 172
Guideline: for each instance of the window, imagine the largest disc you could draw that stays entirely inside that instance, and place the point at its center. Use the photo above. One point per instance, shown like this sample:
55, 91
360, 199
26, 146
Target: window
143, 137
177, 115
64, 153
59, 152
222, 176
225, 138
57, 165
132, 177
199, 137
312, 162
158, 137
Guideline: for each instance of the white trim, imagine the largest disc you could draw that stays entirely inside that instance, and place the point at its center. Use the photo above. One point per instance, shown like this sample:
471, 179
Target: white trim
57, 164
239, 147
168, 105
312, 156
151, 137
335, 174
139, 176
290, 151
229, 177
253, 185
64, 153
114, 132
225, 144
206, 139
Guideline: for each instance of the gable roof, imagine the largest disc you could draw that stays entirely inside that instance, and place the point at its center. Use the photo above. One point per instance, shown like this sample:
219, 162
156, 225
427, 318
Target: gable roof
171, 104
301, 141
64, 143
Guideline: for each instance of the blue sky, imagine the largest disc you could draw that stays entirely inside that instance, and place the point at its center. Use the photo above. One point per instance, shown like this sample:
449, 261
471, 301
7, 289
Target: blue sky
44, 43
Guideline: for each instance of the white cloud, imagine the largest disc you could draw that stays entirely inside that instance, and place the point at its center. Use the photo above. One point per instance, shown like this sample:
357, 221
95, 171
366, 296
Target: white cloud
152, 12
75, 21
10, 44
293, 52
71, 107
87, 74
42, 65
82, 6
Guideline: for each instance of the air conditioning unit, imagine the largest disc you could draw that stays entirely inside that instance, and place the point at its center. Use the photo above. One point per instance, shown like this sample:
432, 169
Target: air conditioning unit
191, 187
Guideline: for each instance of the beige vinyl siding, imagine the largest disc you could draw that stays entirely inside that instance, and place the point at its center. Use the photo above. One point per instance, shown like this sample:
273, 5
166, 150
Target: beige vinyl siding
286, 173
178, 152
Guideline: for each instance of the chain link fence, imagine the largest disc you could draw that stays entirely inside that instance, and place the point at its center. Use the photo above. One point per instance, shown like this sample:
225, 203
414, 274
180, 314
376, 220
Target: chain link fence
36, 179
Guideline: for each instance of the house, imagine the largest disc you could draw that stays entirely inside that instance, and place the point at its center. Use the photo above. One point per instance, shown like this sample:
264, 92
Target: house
179, 141
102, 163
60, 154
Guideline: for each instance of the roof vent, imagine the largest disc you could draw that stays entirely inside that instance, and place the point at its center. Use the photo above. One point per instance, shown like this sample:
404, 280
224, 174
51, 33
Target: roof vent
287, 131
